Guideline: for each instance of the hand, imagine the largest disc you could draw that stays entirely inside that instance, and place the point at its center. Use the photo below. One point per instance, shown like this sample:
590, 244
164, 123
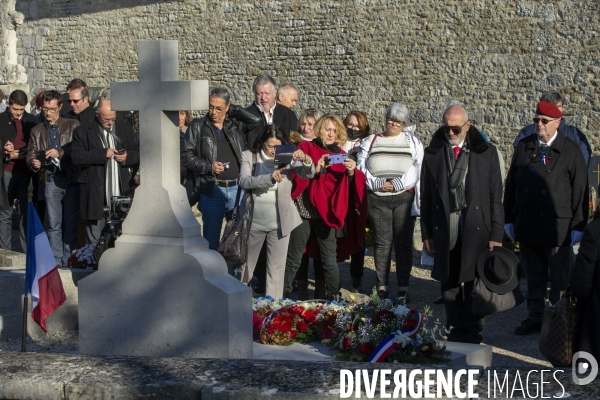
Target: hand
576, 237
387, 187
492, 244
218, 167
300, 156
121, 157
321, 163
350, 165
52, 153
13, 155
36, 164
110, 153
509, 229
429, 247
9, 147
276, 176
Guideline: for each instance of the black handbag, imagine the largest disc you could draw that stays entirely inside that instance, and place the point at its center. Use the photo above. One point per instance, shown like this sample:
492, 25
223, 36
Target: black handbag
560, 329
234, 242
486, 302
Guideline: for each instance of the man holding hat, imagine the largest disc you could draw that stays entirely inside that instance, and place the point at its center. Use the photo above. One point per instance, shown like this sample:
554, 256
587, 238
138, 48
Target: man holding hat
546, 208
461, 214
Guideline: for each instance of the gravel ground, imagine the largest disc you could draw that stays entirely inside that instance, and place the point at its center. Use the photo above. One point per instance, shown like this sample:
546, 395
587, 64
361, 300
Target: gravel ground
509, 350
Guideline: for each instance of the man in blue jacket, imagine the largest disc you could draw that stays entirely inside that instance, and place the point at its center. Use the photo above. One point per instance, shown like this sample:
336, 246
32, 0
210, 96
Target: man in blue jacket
569, 131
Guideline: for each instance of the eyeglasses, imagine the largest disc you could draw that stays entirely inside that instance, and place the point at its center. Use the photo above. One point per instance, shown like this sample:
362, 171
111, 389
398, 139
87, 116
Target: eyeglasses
75, 101
356, 127
394, 123
217, 109
102, 119
544, 120
455, 129
50, 109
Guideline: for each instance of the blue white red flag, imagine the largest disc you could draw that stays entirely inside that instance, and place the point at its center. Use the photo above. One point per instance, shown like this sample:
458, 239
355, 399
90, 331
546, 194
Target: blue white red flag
42, 278
387, 345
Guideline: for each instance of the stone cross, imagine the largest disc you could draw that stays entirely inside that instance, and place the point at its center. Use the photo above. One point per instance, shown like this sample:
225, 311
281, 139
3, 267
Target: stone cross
161, 292
159, 95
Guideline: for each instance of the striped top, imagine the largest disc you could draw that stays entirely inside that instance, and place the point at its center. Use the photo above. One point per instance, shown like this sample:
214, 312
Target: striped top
390, 157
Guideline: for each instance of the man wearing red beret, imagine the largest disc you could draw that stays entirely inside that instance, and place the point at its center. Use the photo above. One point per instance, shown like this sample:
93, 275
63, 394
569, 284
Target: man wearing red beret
546, 209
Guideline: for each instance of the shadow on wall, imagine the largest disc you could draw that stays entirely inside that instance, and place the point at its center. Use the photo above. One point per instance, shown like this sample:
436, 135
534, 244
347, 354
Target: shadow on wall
40, 9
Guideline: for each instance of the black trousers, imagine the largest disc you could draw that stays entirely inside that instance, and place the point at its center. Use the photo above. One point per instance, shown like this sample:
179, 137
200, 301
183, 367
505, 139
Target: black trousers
327, 245
542, 264
466, 326
302, 272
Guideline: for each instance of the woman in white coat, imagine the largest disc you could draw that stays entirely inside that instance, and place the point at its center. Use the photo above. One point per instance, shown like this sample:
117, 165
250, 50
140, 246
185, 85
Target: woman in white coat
273, 213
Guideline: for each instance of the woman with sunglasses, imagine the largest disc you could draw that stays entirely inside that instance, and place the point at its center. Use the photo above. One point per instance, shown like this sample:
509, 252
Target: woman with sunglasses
391, 162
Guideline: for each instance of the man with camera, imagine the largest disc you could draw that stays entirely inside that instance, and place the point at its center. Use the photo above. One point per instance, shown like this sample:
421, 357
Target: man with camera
213, 148
49, 154
107, 153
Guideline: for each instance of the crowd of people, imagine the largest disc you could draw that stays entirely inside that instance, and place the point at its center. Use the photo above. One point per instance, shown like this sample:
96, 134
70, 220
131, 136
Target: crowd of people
340, 177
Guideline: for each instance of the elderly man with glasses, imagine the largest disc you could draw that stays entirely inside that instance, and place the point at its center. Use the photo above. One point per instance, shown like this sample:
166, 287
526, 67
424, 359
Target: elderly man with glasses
49, 154
461, 214
107, 154
546, 207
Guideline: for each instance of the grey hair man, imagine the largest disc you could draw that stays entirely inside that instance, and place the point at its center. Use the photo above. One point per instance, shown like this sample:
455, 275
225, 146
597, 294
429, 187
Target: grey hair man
266, 108
212, 149
454, 229
570, 131
287, 95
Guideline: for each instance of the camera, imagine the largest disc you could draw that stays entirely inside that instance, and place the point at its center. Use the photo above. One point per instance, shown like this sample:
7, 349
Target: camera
226, 164
118, 208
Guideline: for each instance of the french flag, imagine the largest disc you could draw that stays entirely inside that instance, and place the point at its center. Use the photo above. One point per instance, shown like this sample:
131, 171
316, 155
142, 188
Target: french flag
42, 278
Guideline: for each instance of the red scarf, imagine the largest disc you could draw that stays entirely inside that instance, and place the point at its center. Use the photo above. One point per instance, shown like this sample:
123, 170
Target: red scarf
337, 201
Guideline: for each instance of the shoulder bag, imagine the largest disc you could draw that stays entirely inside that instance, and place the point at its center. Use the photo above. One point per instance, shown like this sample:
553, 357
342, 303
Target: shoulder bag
560, 329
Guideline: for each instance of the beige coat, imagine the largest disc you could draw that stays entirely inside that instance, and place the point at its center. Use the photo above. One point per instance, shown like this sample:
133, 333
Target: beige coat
287, 212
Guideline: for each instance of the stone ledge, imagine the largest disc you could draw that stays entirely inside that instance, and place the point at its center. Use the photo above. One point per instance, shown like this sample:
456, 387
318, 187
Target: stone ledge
60, 376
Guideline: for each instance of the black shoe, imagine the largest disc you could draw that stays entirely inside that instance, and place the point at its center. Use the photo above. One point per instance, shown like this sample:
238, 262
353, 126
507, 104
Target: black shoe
383, 294
439, 300
528, 327
356, 285
403, 294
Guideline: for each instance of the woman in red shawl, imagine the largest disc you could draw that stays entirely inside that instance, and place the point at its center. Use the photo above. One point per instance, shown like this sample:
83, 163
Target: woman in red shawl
332, 205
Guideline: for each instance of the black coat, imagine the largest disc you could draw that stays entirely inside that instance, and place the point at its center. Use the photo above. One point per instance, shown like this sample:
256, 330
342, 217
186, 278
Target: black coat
585, 286
283, 117
545, 202
85, 117
484, 218
89, 154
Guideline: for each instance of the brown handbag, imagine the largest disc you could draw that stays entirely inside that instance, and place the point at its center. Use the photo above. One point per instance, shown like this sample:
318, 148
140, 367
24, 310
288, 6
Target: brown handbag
560, 330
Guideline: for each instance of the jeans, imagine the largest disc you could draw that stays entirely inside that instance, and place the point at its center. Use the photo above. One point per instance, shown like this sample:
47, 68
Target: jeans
213, 209
17, 186
62, 216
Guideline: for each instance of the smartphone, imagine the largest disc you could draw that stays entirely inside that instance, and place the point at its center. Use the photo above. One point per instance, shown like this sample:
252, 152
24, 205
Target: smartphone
122, 151
41, 156
333, 159
283, 153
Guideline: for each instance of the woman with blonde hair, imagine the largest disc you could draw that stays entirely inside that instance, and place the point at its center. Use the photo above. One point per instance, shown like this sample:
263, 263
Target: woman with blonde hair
324, 203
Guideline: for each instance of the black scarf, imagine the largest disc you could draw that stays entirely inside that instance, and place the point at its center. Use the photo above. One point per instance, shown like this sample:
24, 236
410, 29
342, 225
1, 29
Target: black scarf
333, 148
457, 171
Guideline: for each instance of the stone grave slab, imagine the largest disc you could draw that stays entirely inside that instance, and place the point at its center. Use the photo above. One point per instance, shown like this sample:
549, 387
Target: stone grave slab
161, 292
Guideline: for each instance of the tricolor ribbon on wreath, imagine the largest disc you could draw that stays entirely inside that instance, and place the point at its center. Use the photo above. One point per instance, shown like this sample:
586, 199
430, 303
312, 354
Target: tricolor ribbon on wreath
388, 344
544, 157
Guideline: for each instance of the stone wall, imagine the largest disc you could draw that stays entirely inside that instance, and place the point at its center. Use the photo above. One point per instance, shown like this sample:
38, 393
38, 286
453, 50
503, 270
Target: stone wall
496, 55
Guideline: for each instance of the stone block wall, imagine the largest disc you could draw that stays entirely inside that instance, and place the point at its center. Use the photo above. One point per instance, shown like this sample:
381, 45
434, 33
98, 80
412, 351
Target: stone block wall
496, 55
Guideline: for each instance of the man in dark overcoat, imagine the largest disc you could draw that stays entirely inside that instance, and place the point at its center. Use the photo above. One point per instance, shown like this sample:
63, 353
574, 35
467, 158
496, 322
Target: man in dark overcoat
107, 153
15, 130
546, 207
461, 214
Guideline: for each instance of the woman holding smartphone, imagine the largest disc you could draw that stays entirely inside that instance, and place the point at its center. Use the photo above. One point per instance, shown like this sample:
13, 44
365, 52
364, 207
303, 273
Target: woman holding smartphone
323, 203
391, 162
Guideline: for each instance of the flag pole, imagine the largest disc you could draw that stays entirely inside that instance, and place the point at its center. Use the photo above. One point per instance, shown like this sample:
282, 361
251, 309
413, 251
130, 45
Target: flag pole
27, 270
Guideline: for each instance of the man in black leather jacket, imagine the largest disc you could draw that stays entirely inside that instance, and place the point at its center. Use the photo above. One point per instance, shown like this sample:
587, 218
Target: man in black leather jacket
212, 149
